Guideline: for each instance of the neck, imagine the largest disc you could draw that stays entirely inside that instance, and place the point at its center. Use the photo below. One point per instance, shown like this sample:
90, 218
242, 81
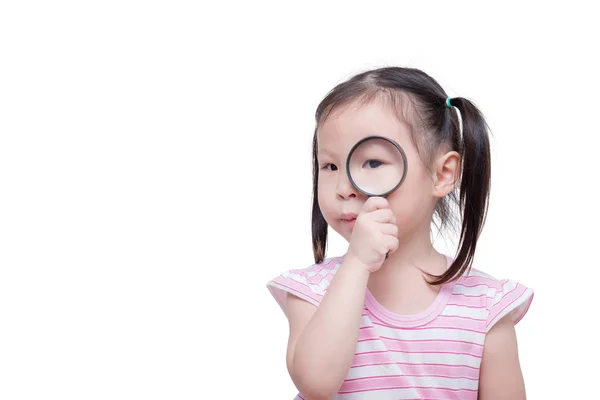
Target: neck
415, 253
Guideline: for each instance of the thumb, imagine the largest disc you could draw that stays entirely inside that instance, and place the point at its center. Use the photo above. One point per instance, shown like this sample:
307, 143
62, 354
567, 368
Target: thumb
375, 203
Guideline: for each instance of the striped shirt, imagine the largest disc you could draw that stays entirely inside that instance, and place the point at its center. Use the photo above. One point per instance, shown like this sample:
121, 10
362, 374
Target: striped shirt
435, 354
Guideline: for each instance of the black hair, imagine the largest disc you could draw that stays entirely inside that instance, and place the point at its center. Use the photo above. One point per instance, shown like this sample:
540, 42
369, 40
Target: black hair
421, 103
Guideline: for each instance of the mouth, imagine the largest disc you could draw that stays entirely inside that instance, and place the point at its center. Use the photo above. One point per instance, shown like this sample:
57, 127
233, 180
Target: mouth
348, 218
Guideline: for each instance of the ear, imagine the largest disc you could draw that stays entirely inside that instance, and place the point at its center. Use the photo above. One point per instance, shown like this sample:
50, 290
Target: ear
446, 173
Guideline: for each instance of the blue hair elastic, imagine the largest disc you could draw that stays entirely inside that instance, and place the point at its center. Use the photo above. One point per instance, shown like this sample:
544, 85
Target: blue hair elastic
448, 102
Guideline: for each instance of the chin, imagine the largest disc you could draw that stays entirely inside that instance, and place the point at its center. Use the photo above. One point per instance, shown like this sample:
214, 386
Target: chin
346, 234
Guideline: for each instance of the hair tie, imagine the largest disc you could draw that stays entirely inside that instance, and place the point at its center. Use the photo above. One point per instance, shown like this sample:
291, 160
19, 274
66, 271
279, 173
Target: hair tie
448, 102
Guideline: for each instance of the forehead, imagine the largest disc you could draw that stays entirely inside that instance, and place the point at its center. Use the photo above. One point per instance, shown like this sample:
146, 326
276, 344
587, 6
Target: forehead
347, 124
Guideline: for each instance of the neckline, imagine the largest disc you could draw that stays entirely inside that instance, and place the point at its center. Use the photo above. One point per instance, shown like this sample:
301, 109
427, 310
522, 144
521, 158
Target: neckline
411, 320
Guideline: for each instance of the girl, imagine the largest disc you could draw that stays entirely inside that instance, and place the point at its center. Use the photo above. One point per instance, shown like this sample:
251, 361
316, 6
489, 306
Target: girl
417, 324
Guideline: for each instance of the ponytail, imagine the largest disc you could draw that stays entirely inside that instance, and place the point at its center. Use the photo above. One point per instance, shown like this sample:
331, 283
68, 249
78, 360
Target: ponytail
474, 188
319, 225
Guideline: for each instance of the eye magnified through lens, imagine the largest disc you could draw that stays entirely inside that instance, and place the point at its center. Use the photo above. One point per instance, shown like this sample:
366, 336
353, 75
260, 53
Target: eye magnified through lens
376, 166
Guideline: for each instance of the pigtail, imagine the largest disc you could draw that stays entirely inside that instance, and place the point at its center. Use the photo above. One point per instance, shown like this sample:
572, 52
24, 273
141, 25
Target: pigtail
474, 187
319, 225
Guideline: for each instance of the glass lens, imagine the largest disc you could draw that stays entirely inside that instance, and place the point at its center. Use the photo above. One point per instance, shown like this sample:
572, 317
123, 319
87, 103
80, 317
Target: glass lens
376, 166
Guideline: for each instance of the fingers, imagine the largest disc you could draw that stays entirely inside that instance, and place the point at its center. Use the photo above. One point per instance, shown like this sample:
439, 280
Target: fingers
384, 216
390, 240
391, 243
377, 210
389, 229
375, 203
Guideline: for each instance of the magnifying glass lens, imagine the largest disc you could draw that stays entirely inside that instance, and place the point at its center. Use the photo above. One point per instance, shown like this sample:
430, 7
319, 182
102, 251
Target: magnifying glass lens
376, 167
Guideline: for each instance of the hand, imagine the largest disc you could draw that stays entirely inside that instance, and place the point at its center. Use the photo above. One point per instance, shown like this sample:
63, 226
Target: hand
374, 235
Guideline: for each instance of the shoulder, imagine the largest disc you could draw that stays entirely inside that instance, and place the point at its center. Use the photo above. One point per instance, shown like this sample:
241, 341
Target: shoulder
499, 297
309, 283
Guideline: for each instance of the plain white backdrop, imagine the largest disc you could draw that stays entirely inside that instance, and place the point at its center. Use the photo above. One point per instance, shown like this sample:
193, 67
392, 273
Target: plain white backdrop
155, 173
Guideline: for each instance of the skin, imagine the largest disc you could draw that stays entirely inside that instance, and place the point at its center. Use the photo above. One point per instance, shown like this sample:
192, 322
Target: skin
322, 340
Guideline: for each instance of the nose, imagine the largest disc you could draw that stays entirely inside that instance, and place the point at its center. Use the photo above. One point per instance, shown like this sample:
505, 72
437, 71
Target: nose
344, 189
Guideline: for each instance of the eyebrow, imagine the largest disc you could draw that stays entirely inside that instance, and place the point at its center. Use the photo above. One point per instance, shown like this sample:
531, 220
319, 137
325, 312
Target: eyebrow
325, 151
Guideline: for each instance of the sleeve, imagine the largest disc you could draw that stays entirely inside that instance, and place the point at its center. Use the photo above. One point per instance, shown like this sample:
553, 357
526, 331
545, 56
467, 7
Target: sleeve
512, 299
309, 283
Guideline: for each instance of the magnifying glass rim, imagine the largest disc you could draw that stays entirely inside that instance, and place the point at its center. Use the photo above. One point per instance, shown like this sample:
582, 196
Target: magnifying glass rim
396, 145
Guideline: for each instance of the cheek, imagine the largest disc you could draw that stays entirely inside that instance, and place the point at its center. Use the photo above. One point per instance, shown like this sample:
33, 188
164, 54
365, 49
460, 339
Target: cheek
326, 202
409, 201
322, 197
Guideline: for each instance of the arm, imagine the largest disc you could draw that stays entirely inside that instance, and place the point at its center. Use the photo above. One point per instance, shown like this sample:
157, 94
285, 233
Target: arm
322, 340
500, 375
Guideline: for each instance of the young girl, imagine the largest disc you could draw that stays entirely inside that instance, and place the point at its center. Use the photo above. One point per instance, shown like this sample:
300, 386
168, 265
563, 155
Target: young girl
417, 324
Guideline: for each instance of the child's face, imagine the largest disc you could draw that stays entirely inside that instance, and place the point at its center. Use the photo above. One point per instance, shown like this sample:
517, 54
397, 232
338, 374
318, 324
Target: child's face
412, 203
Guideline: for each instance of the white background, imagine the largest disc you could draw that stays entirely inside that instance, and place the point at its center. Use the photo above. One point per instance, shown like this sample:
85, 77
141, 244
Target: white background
155, 174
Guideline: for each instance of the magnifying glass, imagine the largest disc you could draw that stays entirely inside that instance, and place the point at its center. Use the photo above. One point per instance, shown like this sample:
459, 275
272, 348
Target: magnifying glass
376, 166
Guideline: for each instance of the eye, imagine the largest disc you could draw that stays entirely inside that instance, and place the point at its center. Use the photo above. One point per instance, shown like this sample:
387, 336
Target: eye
328, 166
373, 163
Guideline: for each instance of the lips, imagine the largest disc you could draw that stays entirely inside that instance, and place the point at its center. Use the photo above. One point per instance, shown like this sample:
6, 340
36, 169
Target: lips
348, 217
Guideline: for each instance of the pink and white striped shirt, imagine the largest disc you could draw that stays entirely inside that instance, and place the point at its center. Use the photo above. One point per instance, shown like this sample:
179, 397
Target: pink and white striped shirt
435, 354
